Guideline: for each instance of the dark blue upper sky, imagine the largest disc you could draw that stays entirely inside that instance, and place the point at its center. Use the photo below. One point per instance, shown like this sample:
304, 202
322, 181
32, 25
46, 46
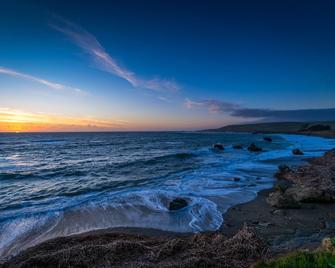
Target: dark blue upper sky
190, 64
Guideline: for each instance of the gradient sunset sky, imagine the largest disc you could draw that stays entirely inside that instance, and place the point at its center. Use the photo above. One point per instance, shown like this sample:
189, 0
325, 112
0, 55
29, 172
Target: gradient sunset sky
164, 65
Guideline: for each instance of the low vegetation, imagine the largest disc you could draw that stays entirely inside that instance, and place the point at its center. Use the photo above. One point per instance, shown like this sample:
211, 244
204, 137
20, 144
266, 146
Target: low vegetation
323, 257
317, 127
302, 260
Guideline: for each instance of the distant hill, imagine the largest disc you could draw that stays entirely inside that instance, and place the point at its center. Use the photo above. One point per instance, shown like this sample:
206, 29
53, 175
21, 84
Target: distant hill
325, 128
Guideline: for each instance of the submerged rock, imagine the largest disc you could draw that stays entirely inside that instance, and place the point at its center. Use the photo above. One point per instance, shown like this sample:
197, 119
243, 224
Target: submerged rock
253, 148
238, 147
297, 152
267, 139
178, 203
218, 146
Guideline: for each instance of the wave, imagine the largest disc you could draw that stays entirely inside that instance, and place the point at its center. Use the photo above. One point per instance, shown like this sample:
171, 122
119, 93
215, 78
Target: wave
17, 176
173, 156
156, 160
131, 184
48, 141
145, 209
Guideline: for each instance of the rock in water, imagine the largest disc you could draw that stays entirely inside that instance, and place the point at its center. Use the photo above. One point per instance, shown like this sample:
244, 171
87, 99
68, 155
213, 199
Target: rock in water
238, 147
297, 152
253, 148
218, 146
178, 203
267, 139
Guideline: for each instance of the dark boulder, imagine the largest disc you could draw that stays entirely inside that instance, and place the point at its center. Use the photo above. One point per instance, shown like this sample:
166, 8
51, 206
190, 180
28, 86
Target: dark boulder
237, 147
267, 139
283, 170
253, 148
297, 152
282, 185
236, 179
178, 203
218, 146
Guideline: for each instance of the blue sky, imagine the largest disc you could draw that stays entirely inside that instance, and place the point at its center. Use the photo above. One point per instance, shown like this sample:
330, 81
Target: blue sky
156, 65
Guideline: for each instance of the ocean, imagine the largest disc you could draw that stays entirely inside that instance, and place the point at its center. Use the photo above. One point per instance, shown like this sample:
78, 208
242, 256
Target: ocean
57, 184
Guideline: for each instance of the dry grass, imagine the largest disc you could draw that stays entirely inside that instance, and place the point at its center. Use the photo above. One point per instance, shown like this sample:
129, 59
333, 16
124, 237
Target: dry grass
121, 250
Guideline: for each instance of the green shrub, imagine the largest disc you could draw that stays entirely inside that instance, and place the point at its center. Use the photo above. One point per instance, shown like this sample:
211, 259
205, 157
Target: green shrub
332, 240
316, 259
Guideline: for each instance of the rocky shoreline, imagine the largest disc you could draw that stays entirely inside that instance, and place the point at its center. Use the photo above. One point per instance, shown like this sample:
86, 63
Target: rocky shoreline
297, 213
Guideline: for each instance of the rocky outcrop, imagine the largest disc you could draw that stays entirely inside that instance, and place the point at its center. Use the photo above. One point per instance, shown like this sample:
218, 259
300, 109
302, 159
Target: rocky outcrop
178, 203
314, 183
279, 199
282, 171
218, 146
319, 175
310, 194
328, 244
253, 148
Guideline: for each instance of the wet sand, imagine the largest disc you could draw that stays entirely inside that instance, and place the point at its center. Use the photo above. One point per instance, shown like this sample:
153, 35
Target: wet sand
283, 229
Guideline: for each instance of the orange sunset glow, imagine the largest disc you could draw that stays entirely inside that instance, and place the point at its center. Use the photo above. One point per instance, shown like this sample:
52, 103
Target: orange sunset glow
20, 121
12, 120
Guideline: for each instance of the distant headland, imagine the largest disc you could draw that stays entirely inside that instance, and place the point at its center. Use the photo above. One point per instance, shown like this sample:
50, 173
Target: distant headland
321, 128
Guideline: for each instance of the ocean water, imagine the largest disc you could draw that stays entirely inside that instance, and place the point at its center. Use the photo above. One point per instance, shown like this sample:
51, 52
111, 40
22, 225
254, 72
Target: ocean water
57, 184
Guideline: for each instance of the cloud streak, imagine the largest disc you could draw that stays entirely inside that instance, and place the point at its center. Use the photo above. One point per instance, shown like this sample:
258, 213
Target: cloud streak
88, 43
44, 82
235, 110
213, 106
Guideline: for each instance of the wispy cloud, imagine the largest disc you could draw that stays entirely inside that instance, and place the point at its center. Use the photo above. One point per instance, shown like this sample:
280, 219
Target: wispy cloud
235, 110
47, 83
213, 106
88, 43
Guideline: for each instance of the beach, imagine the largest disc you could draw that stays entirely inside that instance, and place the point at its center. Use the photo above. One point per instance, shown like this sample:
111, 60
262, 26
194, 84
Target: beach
250, 231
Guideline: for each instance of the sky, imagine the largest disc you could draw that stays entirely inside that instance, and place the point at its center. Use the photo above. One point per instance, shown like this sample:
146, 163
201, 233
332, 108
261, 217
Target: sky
164, 65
